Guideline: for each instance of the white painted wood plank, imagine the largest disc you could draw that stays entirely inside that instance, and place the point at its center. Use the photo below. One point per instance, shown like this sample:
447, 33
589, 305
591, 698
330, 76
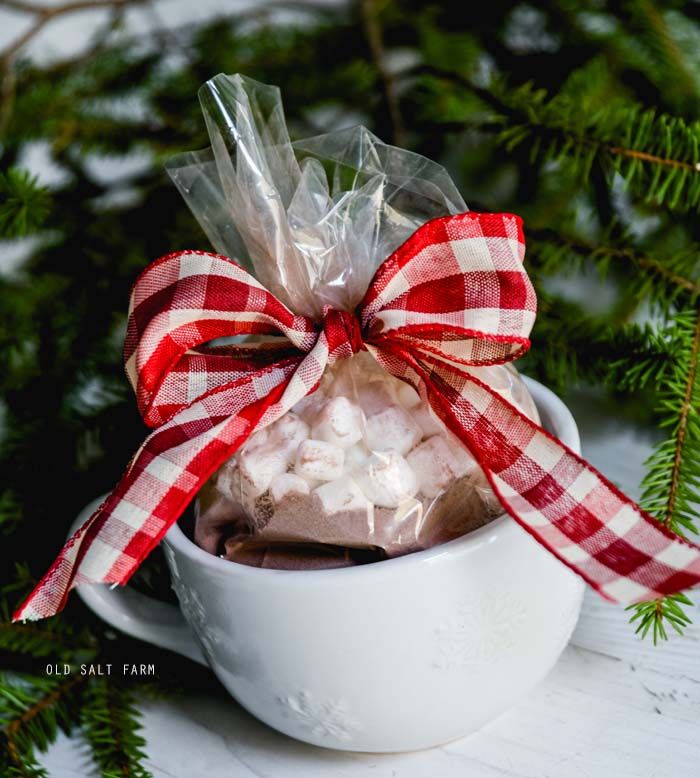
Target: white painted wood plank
604, 628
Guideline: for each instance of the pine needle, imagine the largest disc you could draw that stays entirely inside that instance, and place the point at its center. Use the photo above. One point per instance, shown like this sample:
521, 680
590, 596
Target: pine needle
33, 709
24, 204
111, 724
671, 488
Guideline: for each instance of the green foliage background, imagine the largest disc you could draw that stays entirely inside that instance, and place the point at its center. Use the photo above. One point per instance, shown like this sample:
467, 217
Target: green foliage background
580, 116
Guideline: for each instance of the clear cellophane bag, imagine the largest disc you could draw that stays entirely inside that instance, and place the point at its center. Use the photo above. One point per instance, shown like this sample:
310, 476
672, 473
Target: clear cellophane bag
361, 469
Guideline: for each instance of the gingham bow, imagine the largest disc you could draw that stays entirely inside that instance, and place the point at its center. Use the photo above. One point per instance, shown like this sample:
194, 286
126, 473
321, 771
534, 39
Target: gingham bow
454, 295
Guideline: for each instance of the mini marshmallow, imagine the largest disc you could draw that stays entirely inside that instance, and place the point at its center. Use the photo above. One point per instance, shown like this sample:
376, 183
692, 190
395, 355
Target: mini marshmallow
224, 472
462, 460
387, 479
407, 396
257, 439
427, 421
258, 466
343, 380
311, 482
228, 481
287, 485
241, 491
289, 432
355, 457
340, 495
392, 429
432, 462
339, 422
374, 397
310, 406
319, 460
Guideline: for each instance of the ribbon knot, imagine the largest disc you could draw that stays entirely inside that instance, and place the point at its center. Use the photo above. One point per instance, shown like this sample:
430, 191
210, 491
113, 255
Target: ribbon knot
343, 332
455, 294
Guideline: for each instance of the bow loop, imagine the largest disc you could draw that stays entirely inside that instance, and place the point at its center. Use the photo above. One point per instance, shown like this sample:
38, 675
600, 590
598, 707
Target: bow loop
185, 300
456, 289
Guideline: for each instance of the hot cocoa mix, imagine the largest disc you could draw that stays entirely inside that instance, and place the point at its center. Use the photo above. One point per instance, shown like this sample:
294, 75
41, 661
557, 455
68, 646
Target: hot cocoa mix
358, 471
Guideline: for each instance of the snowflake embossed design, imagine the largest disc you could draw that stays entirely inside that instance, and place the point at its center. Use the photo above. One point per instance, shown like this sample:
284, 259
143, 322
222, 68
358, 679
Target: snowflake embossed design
480, 633
323, 718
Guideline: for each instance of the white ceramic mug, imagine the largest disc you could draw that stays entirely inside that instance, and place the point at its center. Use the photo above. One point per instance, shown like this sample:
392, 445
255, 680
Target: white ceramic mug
399, 655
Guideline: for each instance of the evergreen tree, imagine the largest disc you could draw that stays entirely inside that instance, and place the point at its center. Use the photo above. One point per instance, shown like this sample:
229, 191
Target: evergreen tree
579, 115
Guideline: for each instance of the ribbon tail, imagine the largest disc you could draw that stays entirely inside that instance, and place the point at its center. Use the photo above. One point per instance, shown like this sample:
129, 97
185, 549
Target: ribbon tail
560, 499
160, 482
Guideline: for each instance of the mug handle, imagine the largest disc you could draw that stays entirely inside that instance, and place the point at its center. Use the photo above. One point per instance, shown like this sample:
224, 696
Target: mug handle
137, 614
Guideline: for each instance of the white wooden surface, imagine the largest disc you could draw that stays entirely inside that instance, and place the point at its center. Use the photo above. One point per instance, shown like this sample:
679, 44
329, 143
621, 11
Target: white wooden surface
613, 707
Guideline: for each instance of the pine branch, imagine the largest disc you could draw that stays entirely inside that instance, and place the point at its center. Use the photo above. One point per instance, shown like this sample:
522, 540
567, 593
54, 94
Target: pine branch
663, 279
571, 346
666, 60
671, 488
23, 765
564, 340
645, 357
32, 711
10, 512
22, 581
656, 155
111, 725
674, 513
652, 617
43, 14
24, 204
59, 641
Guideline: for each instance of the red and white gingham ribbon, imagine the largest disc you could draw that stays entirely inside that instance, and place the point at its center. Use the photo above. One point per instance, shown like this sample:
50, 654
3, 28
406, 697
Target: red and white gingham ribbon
454, 294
